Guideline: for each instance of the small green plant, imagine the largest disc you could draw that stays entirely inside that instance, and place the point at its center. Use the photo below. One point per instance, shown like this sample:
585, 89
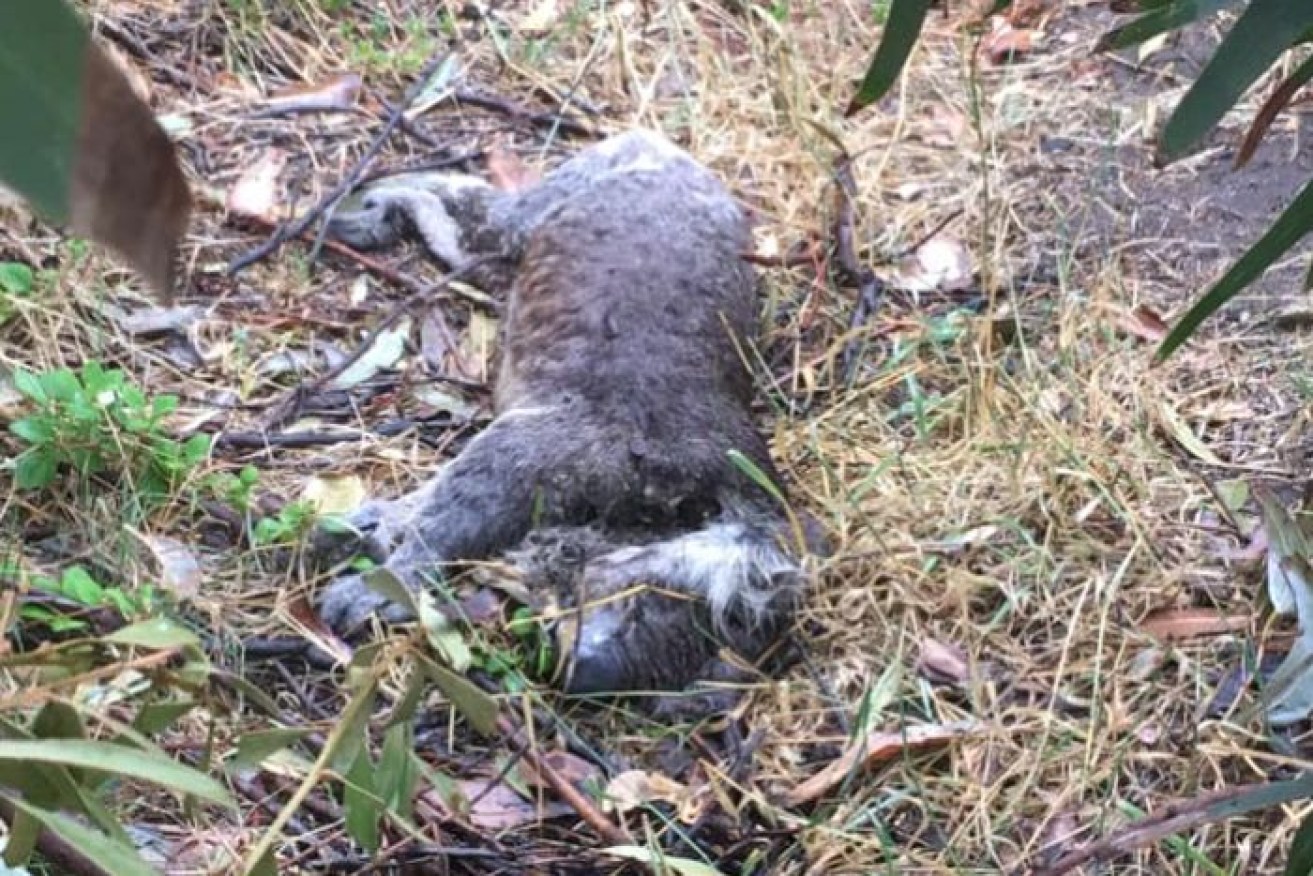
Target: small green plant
288, 526
77, 585
94, 423
16, 281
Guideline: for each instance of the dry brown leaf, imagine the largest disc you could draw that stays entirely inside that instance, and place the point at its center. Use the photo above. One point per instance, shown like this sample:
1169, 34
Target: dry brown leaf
508, 172
256, 191
940, 661
337, 93
300, 610
498, 807
335, 495
1142, 322
1189, 623
572, 768
877, 748
1006, 43
941, 264
178, 568
635, 788
541, 18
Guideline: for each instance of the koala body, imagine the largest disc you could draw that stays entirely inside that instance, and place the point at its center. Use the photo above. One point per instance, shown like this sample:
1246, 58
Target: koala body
621, 393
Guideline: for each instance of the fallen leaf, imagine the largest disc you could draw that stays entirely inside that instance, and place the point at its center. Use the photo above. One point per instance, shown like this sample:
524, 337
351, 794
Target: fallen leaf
436, 340
662, 863
1143, 323
494, 805
1190, 623
944, 128
541, 18
570, 767
337, 93
634, 788
335, 495
301, 611
1288, 696
255, 193
1185, 436
386, 351
876, 748
478, 343
1006, 43
940, 264
940, 661
508, 172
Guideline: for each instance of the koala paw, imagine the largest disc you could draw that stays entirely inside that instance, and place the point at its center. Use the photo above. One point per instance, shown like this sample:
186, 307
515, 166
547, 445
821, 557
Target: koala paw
348, 604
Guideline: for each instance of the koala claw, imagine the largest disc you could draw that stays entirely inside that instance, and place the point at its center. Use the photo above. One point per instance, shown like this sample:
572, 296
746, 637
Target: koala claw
347, 604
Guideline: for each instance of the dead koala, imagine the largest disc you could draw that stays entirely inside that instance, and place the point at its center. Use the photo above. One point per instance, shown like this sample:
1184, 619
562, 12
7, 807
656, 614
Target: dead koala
621, 394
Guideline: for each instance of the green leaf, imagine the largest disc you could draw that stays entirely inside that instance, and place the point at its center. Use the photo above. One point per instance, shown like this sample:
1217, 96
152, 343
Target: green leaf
1291, 226
906, 18
664, 863
253, 748
118, 759
29, 385
478, 707
1278, 100
1265, 30
396, 775
61, 385
16, 278
1300, 862
33, 430
1167, 16
77, 584
385, 583
35, 469
361, 806
155, 718
114, 857
159, 633
81, 146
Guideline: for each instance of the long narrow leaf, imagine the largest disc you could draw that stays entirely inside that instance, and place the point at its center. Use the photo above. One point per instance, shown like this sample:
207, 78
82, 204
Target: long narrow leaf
1289, 229
1265, 30
1272, 107
900, 32
117, 759
113, 857
1164, 18
1300, 861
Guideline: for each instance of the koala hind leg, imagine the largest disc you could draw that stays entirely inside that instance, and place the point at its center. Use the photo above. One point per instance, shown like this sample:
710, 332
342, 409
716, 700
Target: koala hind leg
730, 582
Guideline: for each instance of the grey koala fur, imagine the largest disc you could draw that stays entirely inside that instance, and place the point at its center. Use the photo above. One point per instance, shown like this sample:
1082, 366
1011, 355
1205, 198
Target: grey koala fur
620, 391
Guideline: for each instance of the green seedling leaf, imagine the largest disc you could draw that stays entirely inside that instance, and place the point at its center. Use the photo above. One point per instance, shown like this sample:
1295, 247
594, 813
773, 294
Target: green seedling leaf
159, 633
1300, 860
253, 748
443, 635
477, 706
1265, 30
384, 582
906, 17
16, 278
155, 718
664, 863
116, 857
361, 805
81, 146
396, 775
118, 759
35, 469
1291, 226
1165, 17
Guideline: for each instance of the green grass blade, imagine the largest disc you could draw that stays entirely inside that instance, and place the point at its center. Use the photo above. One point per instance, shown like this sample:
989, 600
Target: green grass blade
1290, 227
1300, 862
900, 32
112, 856
1265, 30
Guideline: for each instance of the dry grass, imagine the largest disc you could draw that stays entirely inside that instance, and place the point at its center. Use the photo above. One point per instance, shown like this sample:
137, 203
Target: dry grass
1003, 474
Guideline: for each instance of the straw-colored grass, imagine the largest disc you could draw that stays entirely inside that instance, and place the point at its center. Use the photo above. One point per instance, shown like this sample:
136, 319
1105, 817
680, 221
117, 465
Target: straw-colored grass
1007, 480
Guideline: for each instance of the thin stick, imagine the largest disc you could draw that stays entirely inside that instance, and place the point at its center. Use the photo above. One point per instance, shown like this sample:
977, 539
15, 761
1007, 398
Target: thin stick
299, 226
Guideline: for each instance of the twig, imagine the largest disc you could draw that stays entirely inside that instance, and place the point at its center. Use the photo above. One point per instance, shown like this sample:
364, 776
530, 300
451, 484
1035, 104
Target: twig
567, 792
1171, 819
556, 120
285, 409
869, 286
929, 235
299, 226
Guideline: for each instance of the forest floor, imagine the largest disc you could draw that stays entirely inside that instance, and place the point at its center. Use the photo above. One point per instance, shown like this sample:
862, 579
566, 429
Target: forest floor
1043, 587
